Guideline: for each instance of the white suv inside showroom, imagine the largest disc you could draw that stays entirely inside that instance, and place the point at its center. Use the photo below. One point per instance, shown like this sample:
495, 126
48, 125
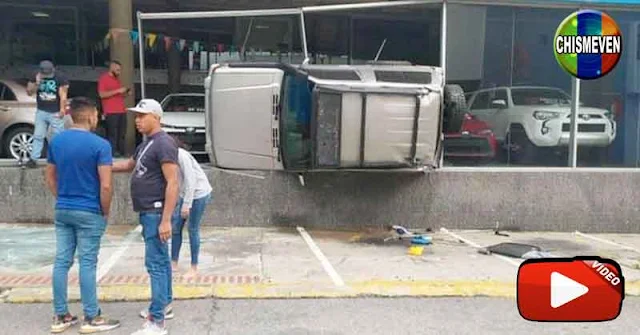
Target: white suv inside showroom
532, 120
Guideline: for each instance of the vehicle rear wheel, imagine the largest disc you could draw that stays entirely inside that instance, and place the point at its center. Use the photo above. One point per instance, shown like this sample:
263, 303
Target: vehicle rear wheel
18, 143
455, 107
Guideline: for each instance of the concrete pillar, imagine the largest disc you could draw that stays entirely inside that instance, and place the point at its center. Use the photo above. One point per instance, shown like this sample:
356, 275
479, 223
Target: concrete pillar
174, 66
5, 43
121, 17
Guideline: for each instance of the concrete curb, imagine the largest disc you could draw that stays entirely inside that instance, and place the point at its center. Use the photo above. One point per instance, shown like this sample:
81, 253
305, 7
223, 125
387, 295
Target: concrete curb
373, 288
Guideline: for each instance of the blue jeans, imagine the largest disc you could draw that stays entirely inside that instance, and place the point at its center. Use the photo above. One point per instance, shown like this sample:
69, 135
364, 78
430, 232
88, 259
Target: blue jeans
42, 123
82, 230
195, 217
158, 264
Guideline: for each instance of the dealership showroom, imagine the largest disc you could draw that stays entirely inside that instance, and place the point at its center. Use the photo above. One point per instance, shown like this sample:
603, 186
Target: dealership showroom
500, 52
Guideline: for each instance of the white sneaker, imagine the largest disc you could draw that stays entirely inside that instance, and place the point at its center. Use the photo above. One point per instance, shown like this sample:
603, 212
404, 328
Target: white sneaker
168, 313
152, 328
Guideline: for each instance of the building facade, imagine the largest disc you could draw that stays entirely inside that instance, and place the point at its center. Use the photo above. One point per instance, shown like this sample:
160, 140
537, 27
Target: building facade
489, 44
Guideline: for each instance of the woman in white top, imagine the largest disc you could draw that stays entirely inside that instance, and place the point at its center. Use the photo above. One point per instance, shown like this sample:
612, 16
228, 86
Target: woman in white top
195, 194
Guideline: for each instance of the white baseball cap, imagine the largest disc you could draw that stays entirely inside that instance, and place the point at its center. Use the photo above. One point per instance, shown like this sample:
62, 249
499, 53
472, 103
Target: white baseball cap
148, 106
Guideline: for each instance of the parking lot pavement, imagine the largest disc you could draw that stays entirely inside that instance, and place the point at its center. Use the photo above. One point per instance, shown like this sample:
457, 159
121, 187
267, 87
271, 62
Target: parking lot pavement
294, 263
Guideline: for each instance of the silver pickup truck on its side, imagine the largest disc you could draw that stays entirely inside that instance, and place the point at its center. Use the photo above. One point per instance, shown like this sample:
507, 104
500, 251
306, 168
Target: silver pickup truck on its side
326, 117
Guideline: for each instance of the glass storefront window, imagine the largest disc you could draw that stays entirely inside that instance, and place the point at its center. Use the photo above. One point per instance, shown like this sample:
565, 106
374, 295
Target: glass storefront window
517, 95
268, 39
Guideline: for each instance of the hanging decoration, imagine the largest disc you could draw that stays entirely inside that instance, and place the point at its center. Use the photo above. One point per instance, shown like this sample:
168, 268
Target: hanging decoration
200, 54
152, 41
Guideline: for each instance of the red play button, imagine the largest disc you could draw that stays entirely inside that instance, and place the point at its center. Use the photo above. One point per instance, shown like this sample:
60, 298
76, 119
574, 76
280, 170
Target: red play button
570, 289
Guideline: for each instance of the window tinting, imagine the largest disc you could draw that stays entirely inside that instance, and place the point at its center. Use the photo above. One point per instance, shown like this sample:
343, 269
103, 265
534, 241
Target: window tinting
406, 77
333, 74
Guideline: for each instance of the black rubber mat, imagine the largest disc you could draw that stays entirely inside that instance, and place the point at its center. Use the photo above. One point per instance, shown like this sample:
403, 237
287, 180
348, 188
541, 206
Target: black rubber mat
510, 249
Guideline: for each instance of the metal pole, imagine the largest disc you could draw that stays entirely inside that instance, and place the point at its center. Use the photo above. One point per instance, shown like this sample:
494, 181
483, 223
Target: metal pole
371, 5
219, 14
380, 50
77, 28
351, 34
575, 109
141, 54
513, 44
443, 64
303, 33
443, 41
291, 22
246, 37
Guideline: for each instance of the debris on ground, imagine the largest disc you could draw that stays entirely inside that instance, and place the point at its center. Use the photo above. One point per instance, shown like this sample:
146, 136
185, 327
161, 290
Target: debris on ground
402, 233
515, 250
498, 232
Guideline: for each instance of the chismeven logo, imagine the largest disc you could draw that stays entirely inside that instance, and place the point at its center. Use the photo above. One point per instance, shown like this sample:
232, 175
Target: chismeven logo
588, 44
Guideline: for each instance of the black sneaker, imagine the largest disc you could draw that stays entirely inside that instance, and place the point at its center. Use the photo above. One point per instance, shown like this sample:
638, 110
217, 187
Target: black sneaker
98, 324
63, 322
32, 164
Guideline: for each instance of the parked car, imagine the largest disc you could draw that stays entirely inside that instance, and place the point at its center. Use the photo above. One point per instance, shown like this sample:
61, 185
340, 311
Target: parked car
473, 141
530, 120
325, 117
17, 117
184, 118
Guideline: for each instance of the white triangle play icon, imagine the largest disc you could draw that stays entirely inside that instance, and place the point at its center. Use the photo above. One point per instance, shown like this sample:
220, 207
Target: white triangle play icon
565, 289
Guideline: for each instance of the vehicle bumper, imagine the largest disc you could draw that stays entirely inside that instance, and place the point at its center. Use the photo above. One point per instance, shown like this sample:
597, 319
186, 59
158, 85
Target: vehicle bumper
469, 146
556, 132
195, 141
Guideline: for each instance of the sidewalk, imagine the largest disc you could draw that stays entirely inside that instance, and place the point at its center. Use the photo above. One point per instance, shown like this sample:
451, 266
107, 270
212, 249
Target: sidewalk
295, 263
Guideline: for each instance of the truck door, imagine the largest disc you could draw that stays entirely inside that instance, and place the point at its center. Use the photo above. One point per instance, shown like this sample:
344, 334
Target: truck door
243, 107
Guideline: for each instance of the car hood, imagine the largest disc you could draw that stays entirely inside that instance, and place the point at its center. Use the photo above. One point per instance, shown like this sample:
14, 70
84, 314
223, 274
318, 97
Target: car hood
183, 119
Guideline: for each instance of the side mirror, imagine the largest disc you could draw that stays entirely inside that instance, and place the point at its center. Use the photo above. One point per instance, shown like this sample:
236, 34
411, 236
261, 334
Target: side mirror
499, 104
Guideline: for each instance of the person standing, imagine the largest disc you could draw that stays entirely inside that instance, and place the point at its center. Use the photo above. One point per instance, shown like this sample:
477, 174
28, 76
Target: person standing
154, 193
112, 95
51, 97
195, 195
79, 176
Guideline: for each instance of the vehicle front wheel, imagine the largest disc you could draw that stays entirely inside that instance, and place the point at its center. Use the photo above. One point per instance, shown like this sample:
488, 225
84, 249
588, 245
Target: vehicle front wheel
18, 143
520, 149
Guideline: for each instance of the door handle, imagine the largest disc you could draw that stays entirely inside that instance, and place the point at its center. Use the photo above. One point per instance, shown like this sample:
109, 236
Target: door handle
5, 108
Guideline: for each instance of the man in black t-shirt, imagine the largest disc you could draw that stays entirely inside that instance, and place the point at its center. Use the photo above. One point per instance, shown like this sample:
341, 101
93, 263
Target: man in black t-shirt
154, 193
51, 98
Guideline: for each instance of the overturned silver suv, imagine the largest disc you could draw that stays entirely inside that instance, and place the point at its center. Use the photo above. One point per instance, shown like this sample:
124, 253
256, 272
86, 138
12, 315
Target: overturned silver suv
326, 117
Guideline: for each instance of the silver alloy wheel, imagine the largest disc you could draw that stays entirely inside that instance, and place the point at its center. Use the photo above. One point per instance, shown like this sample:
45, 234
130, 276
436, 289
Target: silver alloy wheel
20, 145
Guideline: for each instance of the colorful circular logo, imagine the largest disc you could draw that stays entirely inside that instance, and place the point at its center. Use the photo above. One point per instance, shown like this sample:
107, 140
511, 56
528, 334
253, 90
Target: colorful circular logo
588, 44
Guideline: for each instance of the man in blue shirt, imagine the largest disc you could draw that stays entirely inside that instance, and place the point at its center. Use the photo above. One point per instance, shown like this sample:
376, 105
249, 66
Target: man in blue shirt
79, 173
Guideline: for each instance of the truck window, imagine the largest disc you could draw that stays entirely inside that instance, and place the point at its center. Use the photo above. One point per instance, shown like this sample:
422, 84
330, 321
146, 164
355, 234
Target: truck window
296, 122
409, 77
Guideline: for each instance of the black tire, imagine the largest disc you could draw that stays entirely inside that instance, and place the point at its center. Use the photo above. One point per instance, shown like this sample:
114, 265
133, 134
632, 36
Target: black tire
10, 135
525, 152
455, 107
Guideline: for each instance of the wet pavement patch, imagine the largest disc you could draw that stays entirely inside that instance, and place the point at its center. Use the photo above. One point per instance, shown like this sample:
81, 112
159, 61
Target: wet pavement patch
25, 248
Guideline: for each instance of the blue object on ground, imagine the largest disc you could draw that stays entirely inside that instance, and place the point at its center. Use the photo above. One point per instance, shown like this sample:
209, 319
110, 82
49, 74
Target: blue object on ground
422, 240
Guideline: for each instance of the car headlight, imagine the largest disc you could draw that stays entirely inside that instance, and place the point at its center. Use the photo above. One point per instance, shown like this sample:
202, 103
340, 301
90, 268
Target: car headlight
543, 115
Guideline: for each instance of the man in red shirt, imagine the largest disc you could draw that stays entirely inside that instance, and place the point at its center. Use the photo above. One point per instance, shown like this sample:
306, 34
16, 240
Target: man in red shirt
112, 95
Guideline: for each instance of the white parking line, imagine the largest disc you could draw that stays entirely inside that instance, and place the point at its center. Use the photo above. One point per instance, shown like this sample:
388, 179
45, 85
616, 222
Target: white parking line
323, 260
477, 246
605, 241
106, 267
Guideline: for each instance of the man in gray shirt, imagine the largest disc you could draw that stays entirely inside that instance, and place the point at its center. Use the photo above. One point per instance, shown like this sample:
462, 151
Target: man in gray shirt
154, 193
